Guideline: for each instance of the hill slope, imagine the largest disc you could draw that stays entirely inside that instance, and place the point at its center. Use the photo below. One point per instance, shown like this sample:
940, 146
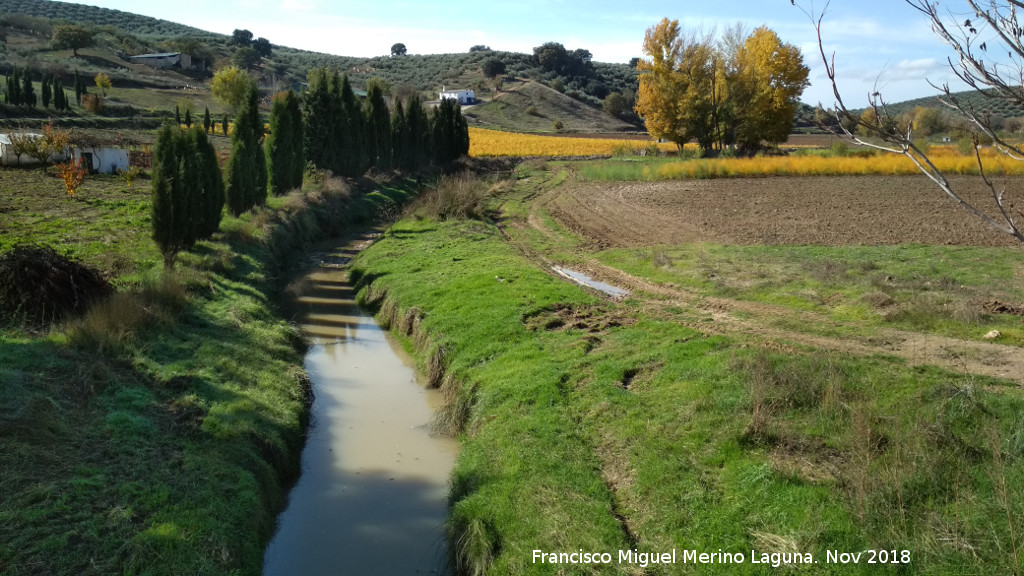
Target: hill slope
527, 106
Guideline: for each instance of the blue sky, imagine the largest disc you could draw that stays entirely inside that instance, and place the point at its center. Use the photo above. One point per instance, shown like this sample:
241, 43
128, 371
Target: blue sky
876, 42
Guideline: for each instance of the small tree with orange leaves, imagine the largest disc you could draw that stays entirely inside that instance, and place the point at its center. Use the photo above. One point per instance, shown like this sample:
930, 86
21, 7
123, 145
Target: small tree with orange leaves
73, 174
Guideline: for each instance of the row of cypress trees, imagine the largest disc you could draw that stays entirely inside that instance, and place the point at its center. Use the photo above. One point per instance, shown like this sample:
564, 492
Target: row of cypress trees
19, 89
349, 138
53, 91
330, 128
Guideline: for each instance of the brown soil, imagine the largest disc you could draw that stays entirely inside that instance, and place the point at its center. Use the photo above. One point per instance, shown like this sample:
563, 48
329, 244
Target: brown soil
847, 210
815, 210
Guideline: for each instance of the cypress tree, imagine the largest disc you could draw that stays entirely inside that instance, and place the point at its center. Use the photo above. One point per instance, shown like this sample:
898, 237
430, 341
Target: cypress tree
247, 168
352, 141
298, 138
60, 100
378, 128
10, 95
399, 138
79, 88
321, 116
206, 121
284, 144
28, 91
15, 88
46, 92
177, 115
224, 124
170, 221
418, 133
276, 144
212, 202
188, 119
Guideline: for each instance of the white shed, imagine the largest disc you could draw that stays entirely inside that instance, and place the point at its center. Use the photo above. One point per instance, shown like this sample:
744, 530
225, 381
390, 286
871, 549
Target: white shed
101, 159
462, 96
9, 158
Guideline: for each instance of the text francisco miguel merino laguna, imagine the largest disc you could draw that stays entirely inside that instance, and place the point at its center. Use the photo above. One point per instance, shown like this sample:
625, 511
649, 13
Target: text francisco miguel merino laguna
775, 560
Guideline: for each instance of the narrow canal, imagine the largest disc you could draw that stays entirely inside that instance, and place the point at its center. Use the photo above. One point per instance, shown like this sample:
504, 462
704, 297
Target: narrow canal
371, 498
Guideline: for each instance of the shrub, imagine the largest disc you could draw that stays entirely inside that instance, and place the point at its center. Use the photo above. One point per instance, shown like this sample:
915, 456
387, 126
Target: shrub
454, 197
532, 110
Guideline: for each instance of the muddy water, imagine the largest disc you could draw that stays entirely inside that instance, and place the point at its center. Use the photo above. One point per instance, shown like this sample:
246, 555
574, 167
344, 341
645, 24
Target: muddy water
584, 280
372, 495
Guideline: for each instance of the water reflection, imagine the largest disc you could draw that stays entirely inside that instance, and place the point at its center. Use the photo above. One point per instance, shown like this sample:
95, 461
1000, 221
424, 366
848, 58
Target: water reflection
372, 495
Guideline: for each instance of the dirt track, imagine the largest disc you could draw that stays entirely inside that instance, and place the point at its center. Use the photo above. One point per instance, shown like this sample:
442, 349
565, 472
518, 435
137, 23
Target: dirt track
847, 210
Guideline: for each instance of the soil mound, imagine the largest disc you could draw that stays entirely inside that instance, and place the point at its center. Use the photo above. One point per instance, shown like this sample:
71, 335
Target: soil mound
38, 286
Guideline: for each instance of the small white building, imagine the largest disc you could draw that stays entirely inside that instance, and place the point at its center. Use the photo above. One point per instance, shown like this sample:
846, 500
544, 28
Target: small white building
164, 60
101, 159
9, 158
464, 97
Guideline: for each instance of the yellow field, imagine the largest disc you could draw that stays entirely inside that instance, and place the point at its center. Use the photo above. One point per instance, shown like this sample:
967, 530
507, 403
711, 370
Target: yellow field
494, 143
945, 159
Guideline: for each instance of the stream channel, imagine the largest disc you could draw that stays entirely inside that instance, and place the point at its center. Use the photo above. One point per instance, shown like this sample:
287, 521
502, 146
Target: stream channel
372, 495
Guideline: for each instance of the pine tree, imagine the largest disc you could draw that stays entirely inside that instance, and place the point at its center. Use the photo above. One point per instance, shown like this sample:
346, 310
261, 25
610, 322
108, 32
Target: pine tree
47, 94
206, 121
247, 168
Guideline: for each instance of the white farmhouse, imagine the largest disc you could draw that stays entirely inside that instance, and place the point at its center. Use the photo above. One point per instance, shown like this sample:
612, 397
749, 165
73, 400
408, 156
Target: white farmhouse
463, 97
101, 159
9, 158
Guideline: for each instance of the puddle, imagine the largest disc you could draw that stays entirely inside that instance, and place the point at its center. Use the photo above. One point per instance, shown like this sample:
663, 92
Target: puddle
372, 497
584, 280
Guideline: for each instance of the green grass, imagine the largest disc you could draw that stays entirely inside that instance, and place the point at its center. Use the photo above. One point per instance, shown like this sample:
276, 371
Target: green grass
158, 435
584, 433
932, 289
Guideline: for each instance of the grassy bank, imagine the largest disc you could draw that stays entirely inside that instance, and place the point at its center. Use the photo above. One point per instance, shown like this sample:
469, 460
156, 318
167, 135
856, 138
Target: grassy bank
602, 426
957, 291
158, 434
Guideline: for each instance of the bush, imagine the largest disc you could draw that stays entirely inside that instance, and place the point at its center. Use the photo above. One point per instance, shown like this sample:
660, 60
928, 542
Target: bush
532, 111
459, 196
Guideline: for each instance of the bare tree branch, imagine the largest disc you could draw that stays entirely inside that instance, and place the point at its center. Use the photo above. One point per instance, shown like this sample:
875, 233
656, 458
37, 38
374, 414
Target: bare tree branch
994, 80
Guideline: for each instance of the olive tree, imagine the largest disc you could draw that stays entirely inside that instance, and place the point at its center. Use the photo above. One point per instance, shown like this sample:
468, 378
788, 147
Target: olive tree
976, 63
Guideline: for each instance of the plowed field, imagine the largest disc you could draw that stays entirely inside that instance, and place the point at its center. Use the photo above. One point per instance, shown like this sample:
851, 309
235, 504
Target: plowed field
845, 210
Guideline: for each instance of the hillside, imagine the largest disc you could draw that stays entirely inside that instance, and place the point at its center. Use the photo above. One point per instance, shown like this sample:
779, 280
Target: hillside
527, 106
